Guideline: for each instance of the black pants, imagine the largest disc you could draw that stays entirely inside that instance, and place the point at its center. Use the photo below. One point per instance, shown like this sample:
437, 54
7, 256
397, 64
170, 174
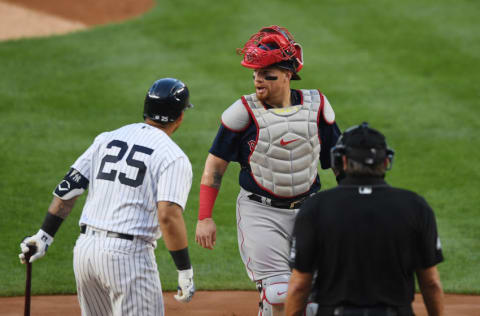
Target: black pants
364, 311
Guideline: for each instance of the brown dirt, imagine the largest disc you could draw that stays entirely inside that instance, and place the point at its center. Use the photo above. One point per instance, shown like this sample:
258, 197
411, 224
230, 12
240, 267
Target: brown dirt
20, 18
211, 303
89, 12
33, 18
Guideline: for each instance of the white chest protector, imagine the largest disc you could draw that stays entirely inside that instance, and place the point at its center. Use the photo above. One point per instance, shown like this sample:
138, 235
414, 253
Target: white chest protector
286, 153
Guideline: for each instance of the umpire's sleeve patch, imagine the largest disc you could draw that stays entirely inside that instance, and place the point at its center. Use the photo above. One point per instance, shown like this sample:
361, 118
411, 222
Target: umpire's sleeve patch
72, 185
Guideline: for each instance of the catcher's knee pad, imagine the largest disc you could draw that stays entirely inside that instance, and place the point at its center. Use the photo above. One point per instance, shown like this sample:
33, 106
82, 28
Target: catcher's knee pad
273, 291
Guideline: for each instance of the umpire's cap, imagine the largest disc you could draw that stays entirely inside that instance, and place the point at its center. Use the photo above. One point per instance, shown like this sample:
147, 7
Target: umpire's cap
363, 144
165, 101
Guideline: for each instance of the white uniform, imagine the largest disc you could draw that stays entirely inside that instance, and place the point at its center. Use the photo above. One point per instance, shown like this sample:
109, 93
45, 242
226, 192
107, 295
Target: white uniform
129, 170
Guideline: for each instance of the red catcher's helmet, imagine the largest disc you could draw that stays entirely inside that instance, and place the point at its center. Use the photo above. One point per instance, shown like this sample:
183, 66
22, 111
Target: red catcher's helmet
273, 46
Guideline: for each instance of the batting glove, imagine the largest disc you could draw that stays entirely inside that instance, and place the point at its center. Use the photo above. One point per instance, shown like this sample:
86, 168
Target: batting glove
40, 240
186, 288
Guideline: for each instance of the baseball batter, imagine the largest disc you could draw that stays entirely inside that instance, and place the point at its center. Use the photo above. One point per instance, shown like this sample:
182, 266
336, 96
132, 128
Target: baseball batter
277, 135
138, 182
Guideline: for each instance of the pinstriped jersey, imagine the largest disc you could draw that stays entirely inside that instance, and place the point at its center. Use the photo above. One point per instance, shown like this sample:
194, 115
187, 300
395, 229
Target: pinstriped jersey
129, 170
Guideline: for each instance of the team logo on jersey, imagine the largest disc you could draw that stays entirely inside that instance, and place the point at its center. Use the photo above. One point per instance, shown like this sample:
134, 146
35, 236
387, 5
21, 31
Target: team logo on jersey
251, 144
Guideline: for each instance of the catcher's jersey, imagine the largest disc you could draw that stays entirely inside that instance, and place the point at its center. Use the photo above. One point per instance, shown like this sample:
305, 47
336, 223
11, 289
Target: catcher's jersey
129, 170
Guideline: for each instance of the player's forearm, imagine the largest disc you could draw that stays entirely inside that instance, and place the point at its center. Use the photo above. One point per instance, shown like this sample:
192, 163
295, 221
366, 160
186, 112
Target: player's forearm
212, 178
172, 225
61, 208
210, 183
57, 211
213, 172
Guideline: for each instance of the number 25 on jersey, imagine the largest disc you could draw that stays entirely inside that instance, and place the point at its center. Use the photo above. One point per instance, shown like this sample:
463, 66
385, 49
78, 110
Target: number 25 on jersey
134, 163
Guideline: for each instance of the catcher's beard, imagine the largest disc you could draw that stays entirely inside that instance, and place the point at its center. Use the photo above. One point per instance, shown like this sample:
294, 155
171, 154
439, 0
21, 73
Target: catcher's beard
276, 94
275, 100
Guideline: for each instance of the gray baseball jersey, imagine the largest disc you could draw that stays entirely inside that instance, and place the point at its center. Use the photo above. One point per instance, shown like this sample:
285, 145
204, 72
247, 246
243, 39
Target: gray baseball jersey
129, 171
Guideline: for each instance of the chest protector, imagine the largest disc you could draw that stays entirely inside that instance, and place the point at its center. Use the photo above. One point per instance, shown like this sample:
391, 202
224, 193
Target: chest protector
285, 156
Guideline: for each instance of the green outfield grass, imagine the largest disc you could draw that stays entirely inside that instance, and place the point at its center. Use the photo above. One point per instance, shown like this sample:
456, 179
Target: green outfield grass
410, 68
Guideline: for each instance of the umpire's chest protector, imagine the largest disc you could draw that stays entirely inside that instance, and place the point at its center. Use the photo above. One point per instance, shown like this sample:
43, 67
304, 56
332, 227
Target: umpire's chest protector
285, 156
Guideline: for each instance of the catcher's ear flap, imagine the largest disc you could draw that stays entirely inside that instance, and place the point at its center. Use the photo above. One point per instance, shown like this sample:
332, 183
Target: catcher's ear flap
390, 156
336, 154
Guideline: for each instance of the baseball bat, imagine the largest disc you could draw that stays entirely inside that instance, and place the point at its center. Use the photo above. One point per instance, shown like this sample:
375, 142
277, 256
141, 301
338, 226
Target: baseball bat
28, 281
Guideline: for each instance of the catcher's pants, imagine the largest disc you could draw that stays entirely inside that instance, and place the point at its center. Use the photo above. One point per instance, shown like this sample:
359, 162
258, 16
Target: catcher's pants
264, 237
116, 276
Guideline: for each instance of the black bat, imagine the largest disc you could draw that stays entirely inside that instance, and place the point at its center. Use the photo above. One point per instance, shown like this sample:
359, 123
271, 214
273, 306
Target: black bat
28, 282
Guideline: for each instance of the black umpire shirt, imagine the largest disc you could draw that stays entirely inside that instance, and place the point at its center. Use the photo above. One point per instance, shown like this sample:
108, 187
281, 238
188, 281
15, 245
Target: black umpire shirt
364, 240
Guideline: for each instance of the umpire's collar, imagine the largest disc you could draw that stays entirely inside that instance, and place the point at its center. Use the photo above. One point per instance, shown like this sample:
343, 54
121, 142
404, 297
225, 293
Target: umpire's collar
363, 181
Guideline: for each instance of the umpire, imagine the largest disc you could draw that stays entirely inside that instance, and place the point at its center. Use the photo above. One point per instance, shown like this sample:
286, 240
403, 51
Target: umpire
364, 240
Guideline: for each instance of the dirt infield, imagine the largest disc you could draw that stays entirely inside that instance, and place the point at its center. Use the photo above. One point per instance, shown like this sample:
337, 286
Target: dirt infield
28, 18
233, 303
32, 18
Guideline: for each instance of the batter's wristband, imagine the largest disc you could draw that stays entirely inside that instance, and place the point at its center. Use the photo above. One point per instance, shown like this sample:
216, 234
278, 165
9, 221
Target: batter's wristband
51, 224
181, 259
208, 195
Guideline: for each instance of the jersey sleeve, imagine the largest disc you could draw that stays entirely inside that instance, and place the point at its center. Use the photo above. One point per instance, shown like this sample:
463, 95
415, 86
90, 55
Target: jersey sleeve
304, 248
226, 144
329, 133
175, 182
430, 247
83, 164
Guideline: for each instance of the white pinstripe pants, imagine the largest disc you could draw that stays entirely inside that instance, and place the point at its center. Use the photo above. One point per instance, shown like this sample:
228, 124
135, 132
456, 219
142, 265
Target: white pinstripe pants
116, 276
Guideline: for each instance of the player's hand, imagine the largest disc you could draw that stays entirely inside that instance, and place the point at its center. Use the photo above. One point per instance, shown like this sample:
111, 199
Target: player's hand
206, 233
40, 240
186, 287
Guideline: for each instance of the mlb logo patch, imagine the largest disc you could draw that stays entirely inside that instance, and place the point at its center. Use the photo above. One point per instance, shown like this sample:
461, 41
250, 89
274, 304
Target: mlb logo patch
365, 190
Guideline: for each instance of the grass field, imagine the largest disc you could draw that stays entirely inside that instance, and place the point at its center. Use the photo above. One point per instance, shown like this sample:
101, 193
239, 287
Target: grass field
410, 68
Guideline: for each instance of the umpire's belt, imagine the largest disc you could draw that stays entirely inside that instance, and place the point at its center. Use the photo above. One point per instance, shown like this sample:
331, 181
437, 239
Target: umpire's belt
364, 311
83, 229
277, 203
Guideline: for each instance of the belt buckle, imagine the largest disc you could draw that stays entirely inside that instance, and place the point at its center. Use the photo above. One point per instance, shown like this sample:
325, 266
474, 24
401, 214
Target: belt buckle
294, 203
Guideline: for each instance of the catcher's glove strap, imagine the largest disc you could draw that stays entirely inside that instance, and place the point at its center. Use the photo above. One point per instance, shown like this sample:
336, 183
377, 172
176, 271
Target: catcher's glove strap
277, 203
83, 229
